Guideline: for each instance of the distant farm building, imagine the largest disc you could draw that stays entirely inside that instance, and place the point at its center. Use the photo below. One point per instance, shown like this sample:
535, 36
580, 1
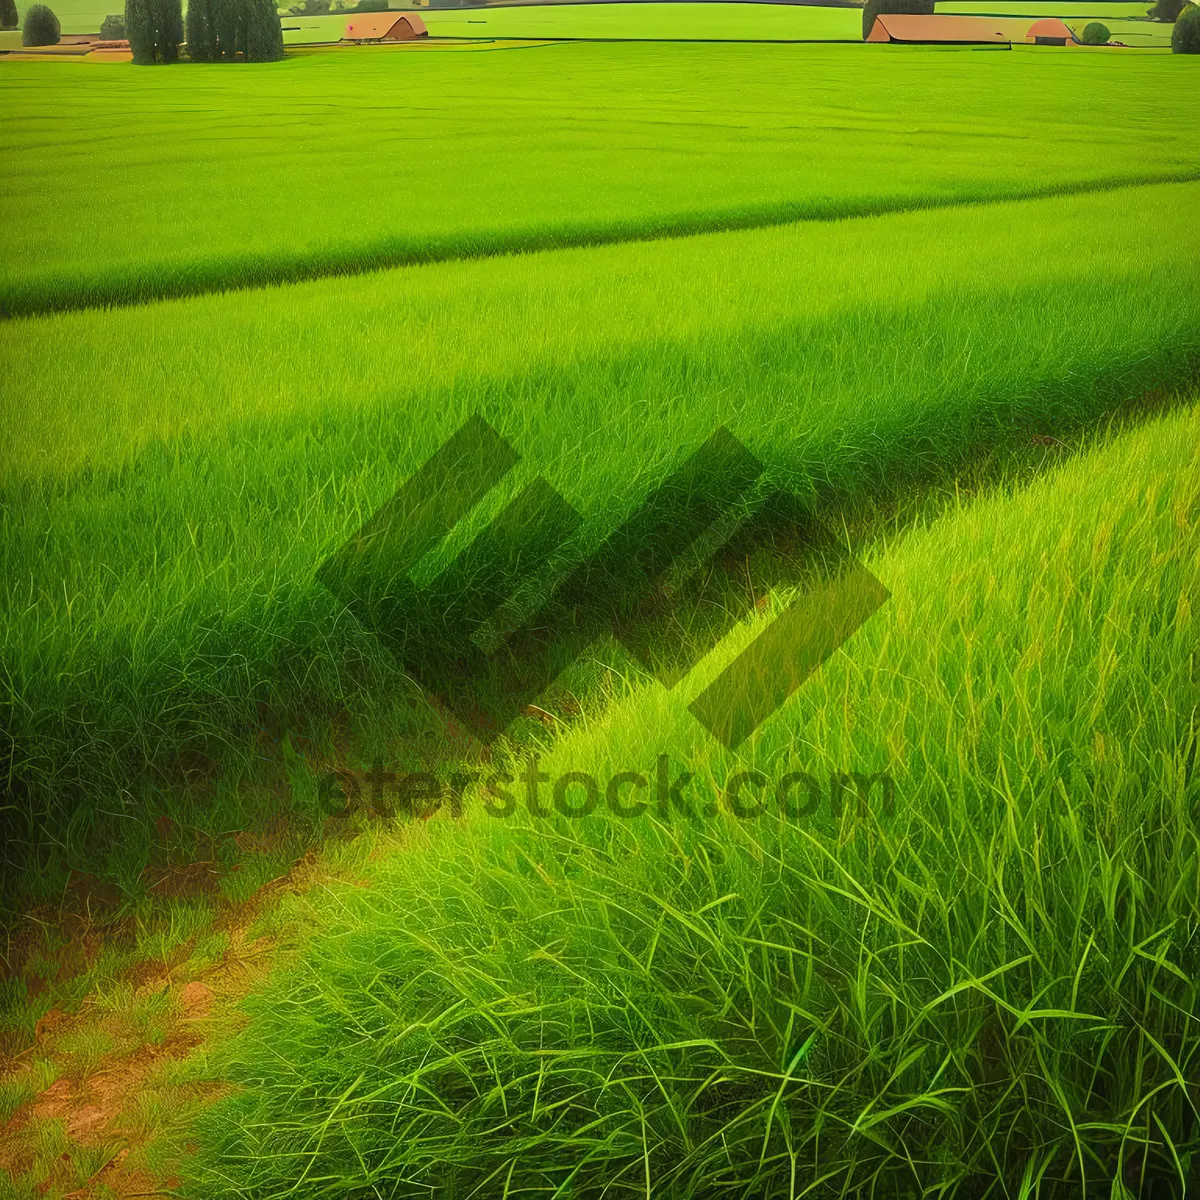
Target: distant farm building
931, 30
1050, 31
967, 31
386, 27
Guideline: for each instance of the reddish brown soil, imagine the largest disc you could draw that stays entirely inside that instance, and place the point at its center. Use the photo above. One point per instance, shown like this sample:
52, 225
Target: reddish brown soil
99, 1106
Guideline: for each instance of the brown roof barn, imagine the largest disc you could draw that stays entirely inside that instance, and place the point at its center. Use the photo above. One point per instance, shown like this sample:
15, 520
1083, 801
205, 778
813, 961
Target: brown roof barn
964, 30
905, 27
1050, 31
386, 27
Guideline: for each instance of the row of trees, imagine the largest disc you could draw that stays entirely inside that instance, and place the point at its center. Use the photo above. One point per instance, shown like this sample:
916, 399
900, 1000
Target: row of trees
154, 29
217, 30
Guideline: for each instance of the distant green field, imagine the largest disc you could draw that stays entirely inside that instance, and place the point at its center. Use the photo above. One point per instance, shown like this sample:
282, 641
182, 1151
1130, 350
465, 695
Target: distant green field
241, 438
615, 20
669, 21
680, 19
549, 145
1066, 9
620, 21
78, 16
714, 20
1130, 33
949, 299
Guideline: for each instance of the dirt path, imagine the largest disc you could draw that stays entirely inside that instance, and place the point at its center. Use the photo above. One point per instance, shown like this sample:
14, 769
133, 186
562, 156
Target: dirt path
111, 1089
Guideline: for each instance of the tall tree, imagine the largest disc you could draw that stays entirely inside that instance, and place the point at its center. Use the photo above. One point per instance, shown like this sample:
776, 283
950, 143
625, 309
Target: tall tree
229, 19
201, 31
154, 29
264, 31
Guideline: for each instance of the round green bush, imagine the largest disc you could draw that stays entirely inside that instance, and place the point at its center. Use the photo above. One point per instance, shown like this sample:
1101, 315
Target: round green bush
9, 19
1185, 37
113, 27
1095, 34
371, 6
41, 27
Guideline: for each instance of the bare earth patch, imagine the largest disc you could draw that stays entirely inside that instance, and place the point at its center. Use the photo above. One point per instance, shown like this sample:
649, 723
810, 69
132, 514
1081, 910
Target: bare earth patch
115, 1087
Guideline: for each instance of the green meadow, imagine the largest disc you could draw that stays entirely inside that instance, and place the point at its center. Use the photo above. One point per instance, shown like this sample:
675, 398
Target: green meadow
711, 19
949, 299
676, 21
680, 20
739, 1002
193, 501
346, 163
720, 22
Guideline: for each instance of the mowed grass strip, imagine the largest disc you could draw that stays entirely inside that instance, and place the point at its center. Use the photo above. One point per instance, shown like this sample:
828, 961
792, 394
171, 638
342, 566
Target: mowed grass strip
129, 185
163, 523
993, 984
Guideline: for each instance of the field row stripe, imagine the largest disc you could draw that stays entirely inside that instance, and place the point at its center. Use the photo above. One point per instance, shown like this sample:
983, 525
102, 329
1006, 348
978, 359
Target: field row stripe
123, 287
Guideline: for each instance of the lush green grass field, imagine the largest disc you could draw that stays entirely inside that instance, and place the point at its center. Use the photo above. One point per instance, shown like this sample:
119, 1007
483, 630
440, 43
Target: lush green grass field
639, 20
714, 20
996, 984
139, 183
991, 986
676, 20
163, 522
655, 21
